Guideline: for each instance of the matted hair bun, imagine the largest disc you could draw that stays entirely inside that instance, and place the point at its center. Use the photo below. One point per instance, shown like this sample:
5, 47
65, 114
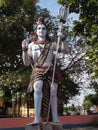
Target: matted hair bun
40, 20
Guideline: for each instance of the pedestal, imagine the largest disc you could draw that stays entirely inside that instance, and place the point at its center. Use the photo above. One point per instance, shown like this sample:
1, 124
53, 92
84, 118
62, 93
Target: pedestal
44, 126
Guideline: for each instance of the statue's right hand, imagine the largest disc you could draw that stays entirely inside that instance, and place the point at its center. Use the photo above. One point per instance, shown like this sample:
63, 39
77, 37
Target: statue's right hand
24, 45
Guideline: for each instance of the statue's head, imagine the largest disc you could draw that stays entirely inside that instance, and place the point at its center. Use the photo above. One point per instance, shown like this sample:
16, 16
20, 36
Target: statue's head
41, 27
41, 30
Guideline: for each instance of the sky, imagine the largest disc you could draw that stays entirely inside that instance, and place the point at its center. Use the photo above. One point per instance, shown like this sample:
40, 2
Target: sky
51, 5
53, 8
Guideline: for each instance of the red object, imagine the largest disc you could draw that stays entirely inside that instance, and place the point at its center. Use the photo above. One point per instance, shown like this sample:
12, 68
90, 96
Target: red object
67, 120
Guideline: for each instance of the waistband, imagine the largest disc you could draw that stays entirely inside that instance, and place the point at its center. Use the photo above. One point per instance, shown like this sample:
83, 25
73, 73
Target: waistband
43, 70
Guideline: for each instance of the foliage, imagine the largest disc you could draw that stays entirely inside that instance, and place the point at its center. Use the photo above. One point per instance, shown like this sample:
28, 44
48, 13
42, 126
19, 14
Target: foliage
14, 16
94, 85
90, 101
69, 87
87, 28
73, 4
15, 78
71, 108
93, 98
87, 104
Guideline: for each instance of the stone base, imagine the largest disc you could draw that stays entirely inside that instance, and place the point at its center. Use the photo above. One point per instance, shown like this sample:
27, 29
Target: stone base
44, 126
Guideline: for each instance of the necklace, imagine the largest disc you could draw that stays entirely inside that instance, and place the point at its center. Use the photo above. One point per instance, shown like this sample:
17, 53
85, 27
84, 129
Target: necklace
41, 42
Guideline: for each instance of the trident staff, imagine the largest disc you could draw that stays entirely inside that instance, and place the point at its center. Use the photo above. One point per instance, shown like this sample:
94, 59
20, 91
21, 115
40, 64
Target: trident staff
62, 16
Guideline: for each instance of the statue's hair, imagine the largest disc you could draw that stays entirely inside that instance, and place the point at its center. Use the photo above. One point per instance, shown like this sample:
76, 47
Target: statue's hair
41, 21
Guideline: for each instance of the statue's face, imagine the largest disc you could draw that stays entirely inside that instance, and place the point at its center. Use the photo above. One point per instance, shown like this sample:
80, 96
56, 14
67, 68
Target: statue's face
41, 30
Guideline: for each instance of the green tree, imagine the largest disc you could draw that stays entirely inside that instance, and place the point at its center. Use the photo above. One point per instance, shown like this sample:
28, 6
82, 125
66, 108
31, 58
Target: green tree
93, 98
87, 28
87, 105
14, 76
14, 16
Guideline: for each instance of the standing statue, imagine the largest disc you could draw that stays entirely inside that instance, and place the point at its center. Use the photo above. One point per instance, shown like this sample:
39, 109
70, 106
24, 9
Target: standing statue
40, 53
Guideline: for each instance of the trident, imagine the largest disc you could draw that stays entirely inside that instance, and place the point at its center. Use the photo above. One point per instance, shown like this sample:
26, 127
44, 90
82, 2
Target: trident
62, 16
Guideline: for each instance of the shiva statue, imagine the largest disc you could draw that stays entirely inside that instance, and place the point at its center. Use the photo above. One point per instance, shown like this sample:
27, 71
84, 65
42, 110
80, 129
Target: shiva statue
41, 52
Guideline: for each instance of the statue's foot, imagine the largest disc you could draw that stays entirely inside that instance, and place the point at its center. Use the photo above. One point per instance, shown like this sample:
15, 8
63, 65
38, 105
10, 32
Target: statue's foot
34, 122
56, 121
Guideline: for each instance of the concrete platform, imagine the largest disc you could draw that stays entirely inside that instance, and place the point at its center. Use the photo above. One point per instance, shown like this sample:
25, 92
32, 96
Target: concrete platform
44, 126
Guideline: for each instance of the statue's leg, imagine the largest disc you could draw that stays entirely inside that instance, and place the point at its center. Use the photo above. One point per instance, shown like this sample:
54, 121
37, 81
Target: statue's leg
37, 100
53, 103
